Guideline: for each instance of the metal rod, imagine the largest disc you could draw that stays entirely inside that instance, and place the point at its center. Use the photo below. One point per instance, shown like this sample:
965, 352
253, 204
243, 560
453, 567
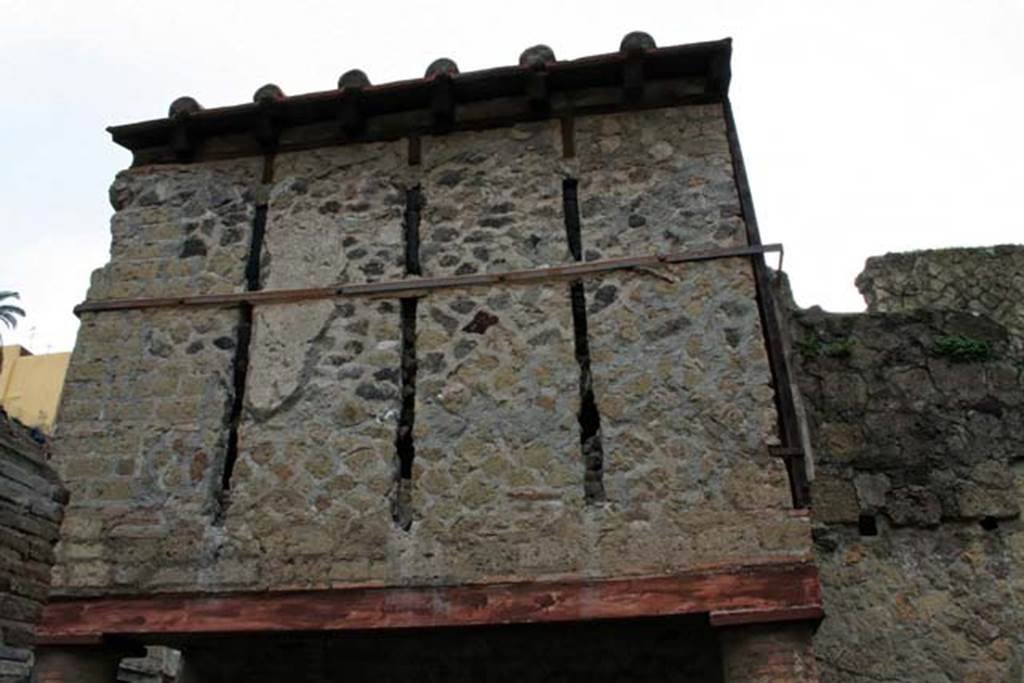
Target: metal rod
416, 286
789, 426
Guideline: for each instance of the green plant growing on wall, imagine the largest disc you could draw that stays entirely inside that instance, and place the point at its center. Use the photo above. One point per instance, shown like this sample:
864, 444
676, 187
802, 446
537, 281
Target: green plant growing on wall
809, 347
962, 349
840, 348
9, 314
813, 347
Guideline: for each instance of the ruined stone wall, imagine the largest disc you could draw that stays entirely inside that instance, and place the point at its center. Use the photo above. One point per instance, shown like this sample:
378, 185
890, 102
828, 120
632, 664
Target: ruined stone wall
917, 423
980, 280
31, 508
614, 426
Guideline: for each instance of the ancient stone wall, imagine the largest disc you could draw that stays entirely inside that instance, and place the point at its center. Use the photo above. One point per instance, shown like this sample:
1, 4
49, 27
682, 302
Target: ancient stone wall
917, 423
657, 181
31, 507
618, 425
179, 229
980, 280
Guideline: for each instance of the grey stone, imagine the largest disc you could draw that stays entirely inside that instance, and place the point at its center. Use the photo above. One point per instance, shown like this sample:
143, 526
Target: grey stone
835, 500
536, 56
976, 501
442, 67
183, 106
872, 490
353, 78
913, 506
268, 93
636, 40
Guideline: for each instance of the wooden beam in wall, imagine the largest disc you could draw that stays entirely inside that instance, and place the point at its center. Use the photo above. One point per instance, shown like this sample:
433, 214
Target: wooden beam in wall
735, 594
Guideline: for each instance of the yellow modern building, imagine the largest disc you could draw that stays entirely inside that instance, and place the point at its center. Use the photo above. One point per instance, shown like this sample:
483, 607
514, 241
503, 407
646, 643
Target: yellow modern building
30, 385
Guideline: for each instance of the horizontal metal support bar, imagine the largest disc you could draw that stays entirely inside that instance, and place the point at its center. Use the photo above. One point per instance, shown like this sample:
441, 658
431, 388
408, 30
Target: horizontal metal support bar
421, 286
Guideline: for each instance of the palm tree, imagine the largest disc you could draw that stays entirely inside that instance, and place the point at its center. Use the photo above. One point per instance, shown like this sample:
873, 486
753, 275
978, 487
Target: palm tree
9, 314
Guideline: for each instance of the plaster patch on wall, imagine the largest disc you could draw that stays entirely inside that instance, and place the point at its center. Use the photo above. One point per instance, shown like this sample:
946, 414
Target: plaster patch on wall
335, 216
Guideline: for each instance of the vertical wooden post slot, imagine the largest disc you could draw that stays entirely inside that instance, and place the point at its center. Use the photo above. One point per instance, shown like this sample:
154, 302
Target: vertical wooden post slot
405, 446
244, 334
568, 137
588, 417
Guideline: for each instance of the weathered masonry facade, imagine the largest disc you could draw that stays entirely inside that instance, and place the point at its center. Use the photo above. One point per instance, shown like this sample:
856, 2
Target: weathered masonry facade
492, 351
31, 508
915, 411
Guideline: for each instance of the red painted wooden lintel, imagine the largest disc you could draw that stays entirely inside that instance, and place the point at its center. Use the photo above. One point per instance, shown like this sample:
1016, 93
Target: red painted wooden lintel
731, 595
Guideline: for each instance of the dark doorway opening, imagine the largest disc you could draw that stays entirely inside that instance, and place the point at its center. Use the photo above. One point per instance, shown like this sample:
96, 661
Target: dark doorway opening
636, 650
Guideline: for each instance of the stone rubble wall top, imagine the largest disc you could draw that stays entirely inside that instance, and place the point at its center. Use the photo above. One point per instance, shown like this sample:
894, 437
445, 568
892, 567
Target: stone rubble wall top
985, 280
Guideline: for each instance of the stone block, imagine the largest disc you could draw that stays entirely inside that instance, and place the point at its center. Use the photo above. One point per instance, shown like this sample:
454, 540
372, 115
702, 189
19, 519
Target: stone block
975, 501
871, 490
913, 506
835, 499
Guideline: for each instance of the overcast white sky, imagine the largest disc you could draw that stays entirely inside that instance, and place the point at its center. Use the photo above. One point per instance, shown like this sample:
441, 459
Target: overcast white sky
868, 126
